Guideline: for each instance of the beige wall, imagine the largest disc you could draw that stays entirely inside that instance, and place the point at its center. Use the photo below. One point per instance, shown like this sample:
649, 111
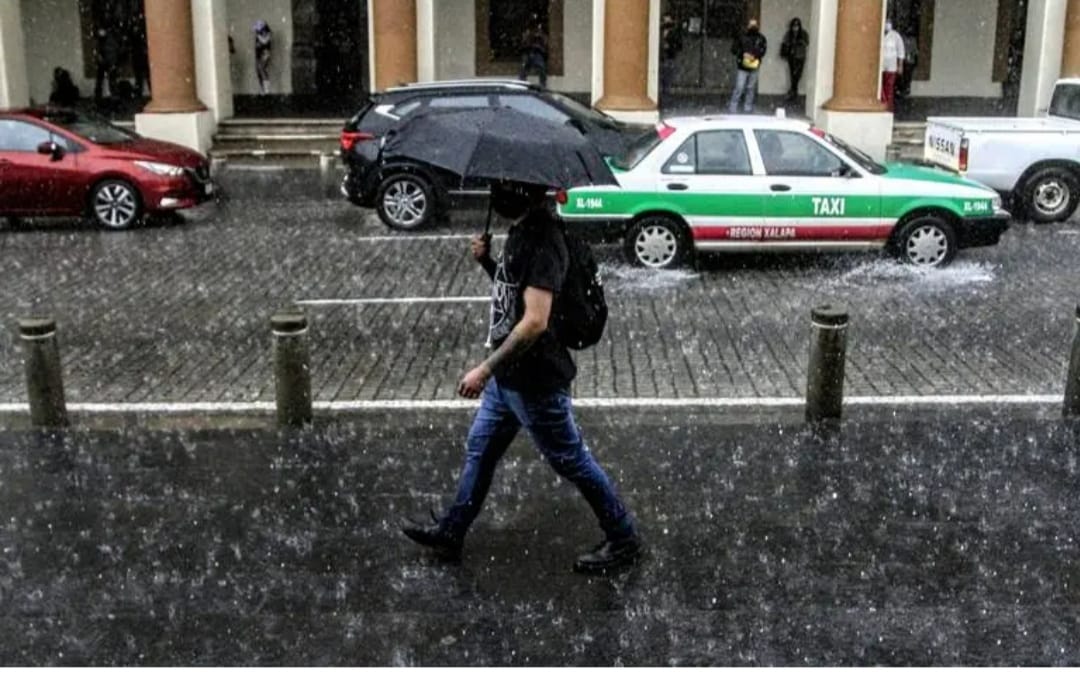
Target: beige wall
53, 37
242, 17
775, 17
455, 43
962, 63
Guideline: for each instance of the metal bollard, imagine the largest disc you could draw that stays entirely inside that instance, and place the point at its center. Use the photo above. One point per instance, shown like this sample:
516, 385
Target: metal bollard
292, 372
825, 378
1072, 383
44, 379
217, 165
327, 174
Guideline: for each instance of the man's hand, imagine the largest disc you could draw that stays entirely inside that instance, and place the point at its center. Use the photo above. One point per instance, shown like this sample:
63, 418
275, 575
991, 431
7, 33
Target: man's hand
472, 384
481, 247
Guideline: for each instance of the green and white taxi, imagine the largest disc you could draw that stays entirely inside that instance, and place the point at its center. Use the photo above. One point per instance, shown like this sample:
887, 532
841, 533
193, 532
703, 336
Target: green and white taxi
744, 183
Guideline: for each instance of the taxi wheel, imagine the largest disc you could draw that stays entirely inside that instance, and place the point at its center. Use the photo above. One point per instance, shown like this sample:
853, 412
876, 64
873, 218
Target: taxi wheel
657, 242
928, 241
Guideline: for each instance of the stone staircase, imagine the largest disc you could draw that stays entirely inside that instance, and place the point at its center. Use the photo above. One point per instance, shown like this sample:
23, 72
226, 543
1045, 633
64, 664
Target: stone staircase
907, 141
299, 143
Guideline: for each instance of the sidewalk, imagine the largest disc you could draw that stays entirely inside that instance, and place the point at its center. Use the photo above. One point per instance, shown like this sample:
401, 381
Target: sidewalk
936, 542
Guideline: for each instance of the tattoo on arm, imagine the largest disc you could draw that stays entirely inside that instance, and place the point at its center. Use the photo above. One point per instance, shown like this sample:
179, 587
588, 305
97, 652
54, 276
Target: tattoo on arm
517, 342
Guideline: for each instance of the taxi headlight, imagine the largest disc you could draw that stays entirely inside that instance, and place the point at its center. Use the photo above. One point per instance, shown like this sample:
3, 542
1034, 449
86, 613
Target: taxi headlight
996, 203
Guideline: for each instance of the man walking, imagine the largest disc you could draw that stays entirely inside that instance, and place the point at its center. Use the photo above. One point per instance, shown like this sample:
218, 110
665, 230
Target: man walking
892, 64
671, 43
525, 383
748, 49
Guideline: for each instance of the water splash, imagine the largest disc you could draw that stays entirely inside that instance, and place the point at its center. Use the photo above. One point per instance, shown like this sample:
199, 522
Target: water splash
623, 278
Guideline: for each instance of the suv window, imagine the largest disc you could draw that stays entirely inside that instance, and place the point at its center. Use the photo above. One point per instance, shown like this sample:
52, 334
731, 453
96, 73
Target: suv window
20, 136
790, 153
459, 101
531, 105
406, 108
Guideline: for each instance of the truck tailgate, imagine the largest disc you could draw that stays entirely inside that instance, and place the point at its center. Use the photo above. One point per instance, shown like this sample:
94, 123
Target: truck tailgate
942, 145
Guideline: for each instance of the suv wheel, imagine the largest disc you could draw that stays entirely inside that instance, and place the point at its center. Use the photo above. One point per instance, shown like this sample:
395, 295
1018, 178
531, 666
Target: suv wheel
927, 241
114, 204
405, 202
657, 242
1051, 194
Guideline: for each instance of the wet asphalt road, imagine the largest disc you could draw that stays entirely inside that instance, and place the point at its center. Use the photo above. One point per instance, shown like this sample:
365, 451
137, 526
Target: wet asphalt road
178, 312
946, 541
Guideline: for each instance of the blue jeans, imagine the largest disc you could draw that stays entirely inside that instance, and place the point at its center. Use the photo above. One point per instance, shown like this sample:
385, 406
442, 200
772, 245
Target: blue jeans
534, 61
745, 84
549, 420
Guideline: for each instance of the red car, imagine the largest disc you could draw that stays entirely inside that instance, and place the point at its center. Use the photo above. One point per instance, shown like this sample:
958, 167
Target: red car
60, 162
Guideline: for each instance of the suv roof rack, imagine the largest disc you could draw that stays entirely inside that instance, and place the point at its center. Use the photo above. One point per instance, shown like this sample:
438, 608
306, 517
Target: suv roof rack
476, 82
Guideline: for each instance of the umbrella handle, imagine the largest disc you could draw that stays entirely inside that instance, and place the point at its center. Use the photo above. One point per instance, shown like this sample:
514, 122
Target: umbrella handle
487, 224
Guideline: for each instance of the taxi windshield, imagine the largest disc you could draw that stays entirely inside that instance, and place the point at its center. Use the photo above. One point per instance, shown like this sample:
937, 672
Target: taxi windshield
637, 150
855, 154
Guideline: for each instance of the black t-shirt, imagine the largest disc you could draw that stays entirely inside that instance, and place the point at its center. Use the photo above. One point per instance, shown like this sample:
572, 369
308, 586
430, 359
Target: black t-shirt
534, 256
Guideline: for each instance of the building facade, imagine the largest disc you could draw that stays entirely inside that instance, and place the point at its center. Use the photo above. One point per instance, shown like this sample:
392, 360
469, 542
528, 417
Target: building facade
329, 53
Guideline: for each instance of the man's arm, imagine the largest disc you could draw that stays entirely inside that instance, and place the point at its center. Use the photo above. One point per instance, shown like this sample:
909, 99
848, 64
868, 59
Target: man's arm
521, 338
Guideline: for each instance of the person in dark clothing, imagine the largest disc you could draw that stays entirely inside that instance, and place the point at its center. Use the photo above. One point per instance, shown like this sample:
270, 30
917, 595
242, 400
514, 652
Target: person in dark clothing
108, 58
64, 92
525, 383
671, 43
140, 56
748, 50
264, 41
794, 48
534, 53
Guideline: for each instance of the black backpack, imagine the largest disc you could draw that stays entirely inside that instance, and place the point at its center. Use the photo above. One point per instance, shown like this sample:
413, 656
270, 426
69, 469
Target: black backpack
580, 312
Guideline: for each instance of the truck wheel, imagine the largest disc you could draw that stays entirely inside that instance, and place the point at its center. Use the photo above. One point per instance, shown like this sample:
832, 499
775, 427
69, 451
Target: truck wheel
1051, 194
657, 242
927, 241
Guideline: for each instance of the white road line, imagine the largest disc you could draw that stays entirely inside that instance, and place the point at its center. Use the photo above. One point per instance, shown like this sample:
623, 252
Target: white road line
584, 403
393, 300
420, 237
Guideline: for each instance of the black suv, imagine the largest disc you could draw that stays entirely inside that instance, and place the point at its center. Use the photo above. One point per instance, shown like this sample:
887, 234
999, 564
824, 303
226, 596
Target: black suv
407, 195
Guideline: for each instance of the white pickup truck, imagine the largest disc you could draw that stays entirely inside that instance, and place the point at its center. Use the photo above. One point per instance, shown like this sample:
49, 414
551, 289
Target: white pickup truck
1035, 159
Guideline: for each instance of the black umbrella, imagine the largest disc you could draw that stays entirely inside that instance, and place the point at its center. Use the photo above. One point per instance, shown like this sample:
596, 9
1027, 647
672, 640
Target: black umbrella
500, 144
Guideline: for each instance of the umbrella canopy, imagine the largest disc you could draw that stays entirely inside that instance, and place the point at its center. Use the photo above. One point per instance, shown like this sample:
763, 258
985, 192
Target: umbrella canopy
499, 144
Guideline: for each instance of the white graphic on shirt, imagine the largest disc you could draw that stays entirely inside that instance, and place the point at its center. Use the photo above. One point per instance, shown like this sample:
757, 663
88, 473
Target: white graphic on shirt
504, 298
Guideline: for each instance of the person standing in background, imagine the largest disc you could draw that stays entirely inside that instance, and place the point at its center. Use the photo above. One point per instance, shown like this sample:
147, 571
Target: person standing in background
263, 43
748, 50
534, 52
108, 58
892, 64
671, 43
794, 48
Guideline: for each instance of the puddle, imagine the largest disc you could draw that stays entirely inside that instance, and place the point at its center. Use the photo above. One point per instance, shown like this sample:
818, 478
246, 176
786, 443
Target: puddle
623, 278
958, 274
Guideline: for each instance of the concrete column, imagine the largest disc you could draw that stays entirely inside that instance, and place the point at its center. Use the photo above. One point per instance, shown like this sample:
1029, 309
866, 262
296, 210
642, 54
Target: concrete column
14, 84
855, 111
1042, 55
425, 41
175, 112
626, 59
392, 24
210, 21
1070, 51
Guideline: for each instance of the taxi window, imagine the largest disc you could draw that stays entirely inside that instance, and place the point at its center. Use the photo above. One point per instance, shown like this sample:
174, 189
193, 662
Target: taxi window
722, 153
790, 153
685, 158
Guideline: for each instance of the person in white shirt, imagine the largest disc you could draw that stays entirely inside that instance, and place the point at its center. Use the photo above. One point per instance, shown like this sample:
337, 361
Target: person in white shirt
892, 64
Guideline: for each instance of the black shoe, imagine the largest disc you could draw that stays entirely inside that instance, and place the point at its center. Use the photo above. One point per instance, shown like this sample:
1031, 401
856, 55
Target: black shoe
609, 555
436, 537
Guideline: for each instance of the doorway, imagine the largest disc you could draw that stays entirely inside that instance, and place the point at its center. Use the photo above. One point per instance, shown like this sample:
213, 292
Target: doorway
709, 28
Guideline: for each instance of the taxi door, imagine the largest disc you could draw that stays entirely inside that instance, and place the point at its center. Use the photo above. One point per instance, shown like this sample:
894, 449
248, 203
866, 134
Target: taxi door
815, 195
710, 181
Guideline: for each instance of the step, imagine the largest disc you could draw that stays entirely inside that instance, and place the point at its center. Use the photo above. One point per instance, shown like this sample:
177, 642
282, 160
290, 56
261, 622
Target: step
281, 127
287, 145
